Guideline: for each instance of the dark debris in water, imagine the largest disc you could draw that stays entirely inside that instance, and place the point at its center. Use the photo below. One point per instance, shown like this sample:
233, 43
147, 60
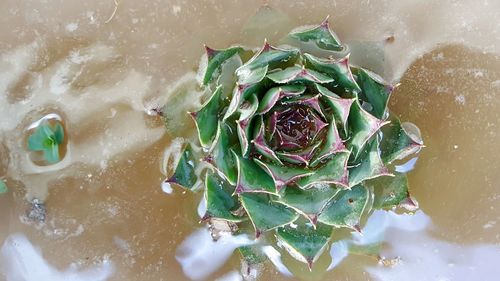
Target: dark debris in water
37, 211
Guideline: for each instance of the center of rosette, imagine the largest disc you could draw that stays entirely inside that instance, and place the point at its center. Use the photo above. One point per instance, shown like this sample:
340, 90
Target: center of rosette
296, 127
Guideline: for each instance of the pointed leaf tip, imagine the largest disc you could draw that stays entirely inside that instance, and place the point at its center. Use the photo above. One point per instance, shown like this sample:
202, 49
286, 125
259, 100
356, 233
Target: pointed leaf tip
184, 173
215, 60
321, 35
209, 51
357, 228
304, 242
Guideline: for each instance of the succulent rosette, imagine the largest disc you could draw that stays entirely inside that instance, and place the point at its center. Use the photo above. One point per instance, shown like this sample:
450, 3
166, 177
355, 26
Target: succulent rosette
297, 144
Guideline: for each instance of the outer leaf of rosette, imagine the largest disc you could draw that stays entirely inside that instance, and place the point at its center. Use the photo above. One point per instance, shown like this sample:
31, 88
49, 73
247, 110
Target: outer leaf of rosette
399, 141
305, 242
331, 144
362, 126
339, 70
207, 118
297, 73
370, 167
266, 214
276, 93
215, 60
251, 177
374, 90
220, 203
267, 58
391, 191
321, 35
346, 209
221, 157
340, 106
241, 93
260, 143
310, 202
334, 171
184, 173
252, 254
282, 175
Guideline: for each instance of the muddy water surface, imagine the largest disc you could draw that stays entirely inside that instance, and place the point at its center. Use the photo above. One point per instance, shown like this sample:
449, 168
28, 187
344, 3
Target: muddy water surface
103, 70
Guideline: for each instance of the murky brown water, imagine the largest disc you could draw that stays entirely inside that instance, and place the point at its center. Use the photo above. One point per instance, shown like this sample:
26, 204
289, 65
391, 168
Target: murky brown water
104, 202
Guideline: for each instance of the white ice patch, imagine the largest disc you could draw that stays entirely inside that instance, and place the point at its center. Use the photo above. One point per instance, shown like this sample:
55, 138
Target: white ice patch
275, 257
338, 251
408, 166
202, 207
200, 256
71, 27
166, 187
21, 261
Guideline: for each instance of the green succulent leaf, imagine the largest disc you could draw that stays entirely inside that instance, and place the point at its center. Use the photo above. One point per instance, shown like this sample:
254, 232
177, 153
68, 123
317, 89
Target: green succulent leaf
266, 214
184, 174
241, 94
256, 68
252, 254
346, 208
374, 91
215, 60
274, 94
339, 70
58, 133
310, 203
332, 144
47, 138
333, 172
3, 187
362, 126
320, 35
260, 144
248, 108
390, 191
243, 128
398, 142
207, 118
300, 157
254, 76
220, 157
310, 101
305, 242
251, 178
51, 153
339, 106
220, 203
283, 175
371, 166
297, 73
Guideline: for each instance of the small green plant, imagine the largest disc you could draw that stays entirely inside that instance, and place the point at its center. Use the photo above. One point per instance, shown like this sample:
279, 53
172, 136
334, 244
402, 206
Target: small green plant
299, 145
3, 187
47, 137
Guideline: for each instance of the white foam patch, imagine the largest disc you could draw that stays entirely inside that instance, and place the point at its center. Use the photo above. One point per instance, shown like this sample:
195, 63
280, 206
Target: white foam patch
424, 257
200, 256
21, 261
275, 257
